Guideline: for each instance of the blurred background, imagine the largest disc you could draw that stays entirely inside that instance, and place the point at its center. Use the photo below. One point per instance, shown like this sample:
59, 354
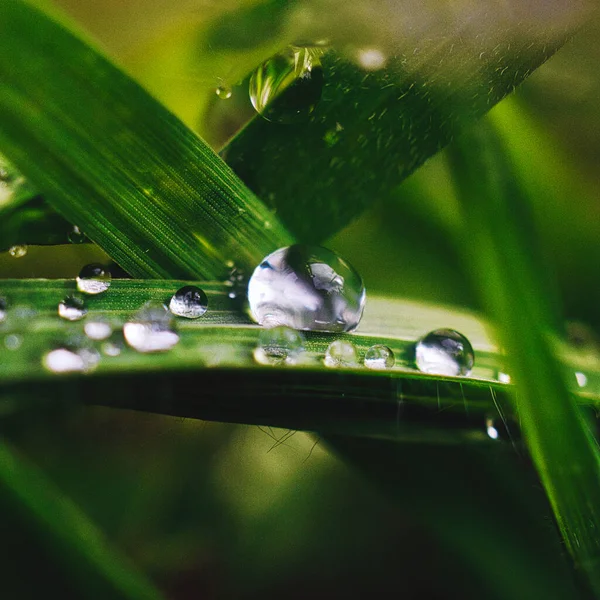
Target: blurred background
211, 510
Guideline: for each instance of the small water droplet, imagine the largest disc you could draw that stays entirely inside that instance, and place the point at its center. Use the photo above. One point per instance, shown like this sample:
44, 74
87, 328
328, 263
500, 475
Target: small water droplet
506, 430
237, 282
379, 357
503, 377
287, 87
70, 360
444, 352
581, 379
306, 287
93, 279
341, 353
13, 341
151, 329
278, 346
371, 59
76, 236
3, 308
72, 308
189, 302
18, 251
491, 430
97, 330
111, 349
224, 92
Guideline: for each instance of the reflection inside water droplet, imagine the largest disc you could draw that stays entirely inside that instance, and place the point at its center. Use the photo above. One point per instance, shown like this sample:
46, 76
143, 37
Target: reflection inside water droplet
151, 329
72, 308
444, 352
278, 346
287, 87
93, 279
379, 357
581, 379
76, 236
189, 302
308, 288
341, 353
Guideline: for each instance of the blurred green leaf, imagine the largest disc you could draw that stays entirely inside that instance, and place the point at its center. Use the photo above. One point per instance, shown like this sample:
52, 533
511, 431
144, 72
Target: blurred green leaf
116, 163
503, 259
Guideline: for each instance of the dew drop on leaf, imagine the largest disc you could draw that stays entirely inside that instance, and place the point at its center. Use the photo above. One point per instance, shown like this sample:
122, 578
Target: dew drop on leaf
341, 353
72, 308
287, 87
306, 287
151, 329
444, 352
278, 346
581, 379
224, 92
70, 360
379, 357
76, 236
93, 279
97, 330
189, 302
18, 251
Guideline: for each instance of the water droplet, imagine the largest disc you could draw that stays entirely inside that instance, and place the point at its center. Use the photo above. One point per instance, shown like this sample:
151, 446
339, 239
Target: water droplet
581, 379
341, 353
76, 236
306, 287
237, 282
503, 377
287, 87
97, 330
504, 430
444, 352
18, 251
13, 341
70, 360
224, 92
189, 302
371, 59
379, 357
151, 329
111, 349
278, 346
72, 308
3, 308
93, 279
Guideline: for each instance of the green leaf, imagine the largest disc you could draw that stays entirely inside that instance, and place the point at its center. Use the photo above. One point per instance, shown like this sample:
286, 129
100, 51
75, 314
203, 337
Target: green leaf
74, 553
373, 128
117, 164
502, 254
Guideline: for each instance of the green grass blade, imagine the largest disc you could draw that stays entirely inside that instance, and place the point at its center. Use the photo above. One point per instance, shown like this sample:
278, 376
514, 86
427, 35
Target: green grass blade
32, 508
500, 254
372, 129
117, 164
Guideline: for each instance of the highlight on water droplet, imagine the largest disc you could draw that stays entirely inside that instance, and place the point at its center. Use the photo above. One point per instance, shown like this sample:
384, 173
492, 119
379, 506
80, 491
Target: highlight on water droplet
371, 59
490, 428
581, 379
76, 236
224, 92
278, 346
151, 329
341, 353
72, 308
189, 301
306, 287
70, 360
444, 352
93, 279
379, 357
287, 87
97, 330
18, 251
503, 377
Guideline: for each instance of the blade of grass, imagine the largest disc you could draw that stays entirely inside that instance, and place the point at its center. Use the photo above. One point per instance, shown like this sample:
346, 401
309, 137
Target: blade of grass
500, 258
33, 508
117, 164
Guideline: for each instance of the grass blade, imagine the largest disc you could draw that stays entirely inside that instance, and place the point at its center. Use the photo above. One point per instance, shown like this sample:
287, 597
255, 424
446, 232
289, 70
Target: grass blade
117, 164
566, 456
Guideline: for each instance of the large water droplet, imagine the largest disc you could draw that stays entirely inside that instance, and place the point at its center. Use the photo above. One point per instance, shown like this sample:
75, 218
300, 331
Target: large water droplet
76, 236
306, 287
70, 360
278, 346
287, 87
18, 251
97, 330
379, 357
151, 329
72, 308
189, 302
93, 279
444, 352
341, 353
